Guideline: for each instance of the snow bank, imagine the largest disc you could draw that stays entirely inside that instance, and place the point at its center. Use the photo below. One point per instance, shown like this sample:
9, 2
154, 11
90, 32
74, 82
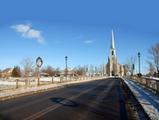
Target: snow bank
153, 78
148, 100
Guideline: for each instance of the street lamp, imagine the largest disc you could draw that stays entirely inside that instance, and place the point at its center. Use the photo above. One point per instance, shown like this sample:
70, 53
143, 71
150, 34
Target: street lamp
66, 66
139, 55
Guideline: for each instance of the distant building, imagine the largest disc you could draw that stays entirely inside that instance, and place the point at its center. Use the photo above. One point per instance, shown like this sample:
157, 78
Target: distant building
69, 73
44, 74
113, 67
6, 73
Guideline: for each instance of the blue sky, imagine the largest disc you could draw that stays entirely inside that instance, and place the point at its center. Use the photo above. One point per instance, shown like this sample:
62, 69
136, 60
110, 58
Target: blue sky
80, 29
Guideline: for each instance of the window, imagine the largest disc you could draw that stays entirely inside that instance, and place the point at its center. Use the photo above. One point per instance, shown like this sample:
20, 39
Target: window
112, 52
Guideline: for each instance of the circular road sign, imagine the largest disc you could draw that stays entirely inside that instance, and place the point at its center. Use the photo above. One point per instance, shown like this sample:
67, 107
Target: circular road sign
39, 62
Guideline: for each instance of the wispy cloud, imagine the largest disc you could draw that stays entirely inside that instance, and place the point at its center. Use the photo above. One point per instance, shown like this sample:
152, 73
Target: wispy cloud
88, 41
28, 32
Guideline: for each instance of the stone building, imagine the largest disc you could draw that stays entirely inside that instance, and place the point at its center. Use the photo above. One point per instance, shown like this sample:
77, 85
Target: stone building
113, 68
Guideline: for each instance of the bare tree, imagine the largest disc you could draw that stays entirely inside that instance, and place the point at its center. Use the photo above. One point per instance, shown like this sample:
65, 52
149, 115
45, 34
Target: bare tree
101, 69
81, 71
130, 65
151, 69
91, 70
57, 72
154, 52
85, 69
126, 69
49, 70
28, 68
16, 72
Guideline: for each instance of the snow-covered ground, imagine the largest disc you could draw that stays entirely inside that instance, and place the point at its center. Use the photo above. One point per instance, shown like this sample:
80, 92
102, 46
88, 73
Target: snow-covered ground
146, 97
11, 82
10, 93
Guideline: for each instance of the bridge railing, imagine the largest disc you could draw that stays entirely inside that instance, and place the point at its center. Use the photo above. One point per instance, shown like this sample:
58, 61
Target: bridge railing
15, 83
148, 82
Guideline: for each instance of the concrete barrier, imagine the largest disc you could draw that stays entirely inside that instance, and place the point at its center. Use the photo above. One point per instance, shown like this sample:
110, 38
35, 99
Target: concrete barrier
150, 83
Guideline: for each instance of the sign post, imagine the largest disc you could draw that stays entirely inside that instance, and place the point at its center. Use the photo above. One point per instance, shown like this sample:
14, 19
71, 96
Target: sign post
39, 63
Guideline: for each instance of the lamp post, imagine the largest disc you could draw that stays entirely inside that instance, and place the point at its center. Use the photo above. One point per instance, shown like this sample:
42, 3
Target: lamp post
66, 70
139, 55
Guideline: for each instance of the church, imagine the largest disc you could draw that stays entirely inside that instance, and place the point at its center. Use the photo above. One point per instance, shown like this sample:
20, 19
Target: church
113, 68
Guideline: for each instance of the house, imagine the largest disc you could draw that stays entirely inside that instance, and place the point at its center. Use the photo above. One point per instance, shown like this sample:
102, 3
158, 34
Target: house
6, 73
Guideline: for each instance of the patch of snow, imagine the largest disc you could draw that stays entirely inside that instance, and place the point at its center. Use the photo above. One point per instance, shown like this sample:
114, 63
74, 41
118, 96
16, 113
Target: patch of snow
153, 78
148, 100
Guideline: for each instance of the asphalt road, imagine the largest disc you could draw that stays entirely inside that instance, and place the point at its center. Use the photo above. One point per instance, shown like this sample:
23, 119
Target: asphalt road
95, 100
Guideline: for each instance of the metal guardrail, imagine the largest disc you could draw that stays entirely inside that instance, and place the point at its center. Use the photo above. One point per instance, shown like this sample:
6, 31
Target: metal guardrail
148, 82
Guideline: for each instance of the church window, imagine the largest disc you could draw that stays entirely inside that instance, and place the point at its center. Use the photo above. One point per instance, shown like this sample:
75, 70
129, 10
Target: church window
112, 52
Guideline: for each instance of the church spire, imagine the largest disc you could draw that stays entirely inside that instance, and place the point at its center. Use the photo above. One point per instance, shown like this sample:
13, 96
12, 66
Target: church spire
112, 42
112, 49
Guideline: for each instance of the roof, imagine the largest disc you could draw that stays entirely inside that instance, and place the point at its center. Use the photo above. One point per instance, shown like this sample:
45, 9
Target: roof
7, 70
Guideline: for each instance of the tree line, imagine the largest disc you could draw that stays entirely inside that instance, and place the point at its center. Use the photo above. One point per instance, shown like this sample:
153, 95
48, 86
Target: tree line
29, 69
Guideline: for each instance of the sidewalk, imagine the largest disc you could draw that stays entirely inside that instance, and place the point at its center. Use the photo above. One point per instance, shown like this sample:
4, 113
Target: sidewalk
12, 93
146, 97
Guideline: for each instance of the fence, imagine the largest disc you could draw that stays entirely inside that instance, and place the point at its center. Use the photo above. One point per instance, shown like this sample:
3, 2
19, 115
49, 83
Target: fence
15, 83
151, 83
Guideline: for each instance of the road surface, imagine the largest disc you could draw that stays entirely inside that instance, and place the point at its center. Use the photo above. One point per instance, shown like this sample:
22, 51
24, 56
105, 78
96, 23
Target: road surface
96, 100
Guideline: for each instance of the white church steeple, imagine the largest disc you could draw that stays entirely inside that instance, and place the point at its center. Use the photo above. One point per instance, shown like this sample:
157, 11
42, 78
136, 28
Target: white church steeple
112, 49
113, 67
112, 44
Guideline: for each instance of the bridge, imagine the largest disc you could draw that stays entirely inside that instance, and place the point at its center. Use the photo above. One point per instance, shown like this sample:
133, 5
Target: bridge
110, 98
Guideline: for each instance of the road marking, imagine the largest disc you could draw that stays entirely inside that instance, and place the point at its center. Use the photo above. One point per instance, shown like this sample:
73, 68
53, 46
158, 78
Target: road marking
42, 112
51, 108
27, 104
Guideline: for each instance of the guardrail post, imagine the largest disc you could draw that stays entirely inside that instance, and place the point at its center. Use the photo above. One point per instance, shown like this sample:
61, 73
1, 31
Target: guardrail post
147, 83
16, 83
157, 85
141, 80
52, 79
144, 79
61, 79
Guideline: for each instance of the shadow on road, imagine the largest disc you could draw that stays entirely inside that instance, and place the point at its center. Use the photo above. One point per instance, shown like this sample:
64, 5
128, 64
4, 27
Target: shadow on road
64, 102
5, 117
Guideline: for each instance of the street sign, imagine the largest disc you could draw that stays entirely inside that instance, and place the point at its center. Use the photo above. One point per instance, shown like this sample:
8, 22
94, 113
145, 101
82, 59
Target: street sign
39, 62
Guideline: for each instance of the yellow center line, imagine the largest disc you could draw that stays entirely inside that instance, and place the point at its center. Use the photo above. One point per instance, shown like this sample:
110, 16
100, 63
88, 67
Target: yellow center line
51, 108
